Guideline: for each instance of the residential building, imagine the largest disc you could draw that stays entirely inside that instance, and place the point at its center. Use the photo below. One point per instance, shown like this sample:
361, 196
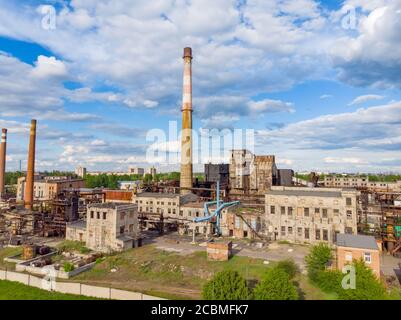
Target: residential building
108, 227
355, 247
310, 215
136, 170
360, 182
80, 172
129, 185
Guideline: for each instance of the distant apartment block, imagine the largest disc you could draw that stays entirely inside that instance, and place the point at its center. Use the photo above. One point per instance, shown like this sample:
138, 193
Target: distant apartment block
80, 172
360, 182
136, 170
310, 215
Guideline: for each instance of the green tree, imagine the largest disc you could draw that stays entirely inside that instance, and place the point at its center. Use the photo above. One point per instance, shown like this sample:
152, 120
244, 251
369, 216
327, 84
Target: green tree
367, 285
276, 285
317, 260
226, 285
288, 266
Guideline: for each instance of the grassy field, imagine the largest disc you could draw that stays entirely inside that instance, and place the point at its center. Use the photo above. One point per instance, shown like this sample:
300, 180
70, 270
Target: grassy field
174, 276
167, 273
17, 291
8, 252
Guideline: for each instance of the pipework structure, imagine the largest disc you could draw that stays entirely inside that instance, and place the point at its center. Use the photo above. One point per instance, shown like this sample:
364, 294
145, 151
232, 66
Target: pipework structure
3, 154
31, 167
186, 138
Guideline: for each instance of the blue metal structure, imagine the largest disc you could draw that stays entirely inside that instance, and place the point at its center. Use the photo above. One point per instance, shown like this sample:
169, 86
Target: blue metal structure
217, 213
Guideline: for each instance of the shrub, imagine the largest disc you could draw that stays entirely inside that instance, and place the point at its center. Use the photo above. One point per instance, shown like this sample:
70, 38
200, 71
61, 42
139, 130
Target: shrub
329, 280
317, 260
226, 285
275, 285
288, 266
68, 267
367, 286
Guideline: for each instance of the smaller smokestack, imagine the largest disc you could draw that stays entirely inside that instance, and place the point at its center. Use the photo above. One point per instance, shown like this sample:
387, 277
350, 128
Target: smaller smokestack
3, 152
31, 168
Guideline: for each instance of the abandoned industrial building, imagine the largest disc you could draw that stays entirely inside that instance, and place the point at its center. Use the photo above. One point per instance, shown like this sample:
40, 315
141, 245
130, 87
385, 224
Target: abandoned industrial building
310, 215
108, 227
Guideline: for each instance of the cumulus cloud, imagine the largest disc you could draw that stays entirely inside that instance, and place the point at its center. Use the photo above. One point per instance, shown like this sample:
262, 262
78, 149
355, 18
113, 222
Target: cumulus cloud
365, 98
372, 56
49, 67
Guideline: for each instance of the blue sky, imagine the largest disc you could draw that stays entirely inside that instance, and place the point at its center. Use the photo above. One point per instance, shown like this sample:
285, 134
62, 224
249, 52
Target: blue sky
319, 81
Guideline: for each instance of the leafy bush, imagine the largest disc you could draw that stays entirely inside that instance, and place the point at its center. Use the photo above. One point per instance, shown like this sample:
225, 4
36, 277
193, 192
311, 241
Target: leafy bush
289, 267
68, 267
367, 287
317, 260
329, 280
275, 285
226, 285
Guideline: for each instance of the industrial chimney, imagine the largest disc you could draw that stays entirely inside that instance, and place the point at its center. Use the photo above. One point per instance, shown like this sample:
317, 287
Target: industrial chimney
3, 147
31, 168
186, 138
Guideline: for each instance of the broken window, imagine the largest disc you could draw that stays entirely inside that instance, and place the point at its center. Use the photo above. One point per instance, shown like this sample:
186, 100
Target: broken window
349, 214
317, 234
306, 233
325, 235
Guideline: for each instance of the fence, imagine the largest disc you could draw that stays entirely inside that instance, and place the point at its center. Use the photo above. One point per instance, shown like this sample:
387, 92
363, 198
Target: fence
73, 287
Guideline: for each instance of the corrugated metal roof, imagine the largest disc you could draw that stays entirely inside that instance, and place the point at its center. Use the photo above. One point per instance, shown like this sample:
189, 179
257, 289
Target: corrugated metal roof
357, 241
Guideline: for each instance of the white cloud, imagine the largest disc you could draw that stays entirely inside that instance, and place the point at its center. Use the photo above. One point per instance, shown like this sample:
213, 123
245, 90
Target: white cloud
49, 67
345, 160
365, 98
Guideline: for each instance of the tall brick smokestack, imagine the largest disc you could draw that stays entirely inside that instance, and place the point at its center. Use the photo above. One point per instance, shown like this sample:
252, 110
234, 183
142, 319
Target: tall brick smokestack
31, 168
186, 139
3, 148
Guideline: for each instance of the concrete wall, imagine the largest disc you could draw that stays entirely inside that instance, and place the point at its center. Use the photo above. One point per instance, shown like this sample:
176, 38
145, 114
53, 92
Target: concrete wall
74, 288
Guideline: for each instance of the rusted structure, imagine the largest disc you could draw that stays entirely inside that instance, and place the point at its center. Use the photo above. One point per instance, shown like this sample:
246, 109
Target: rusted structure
3, 147
31, 167
186, 139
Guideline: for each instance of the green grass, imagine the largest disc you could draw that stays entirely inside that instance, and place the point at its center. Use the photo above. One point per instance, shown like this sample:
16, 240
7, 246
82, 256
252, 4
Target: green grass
17, 291
309, 291
160, 269
69, 246
8, 252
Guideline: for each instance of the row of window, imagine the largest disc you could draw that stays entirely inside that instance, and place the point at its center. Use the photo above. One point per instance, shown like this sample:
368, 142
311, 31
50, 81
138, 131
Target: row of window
158, 202
307, 211
319, 234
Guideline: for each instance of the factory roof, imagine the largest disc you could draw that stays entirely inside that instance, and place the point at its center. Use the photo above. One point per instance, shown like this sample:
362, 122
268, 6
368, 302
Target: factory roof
157, 195
110, 205
306, 193
80, 224
356, 241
